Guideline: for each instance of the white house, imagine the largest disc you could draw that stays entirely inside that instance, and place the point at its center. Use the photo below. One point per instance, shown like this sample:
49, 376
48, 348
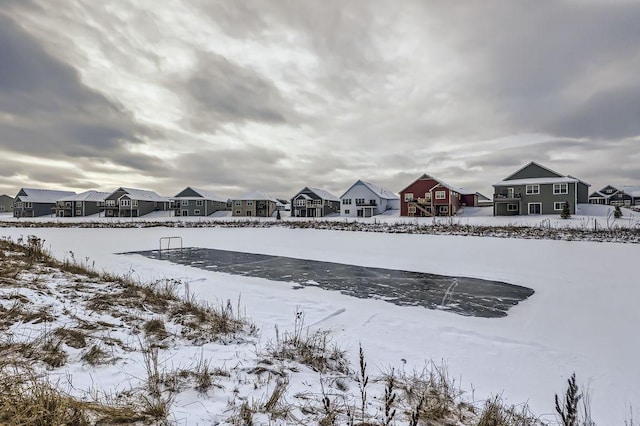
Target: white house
365, 199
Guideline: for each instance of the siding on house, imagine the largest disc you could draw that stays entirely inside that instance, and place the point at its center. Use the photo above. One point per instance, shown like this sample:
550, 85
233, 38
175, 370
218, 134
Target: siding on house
31, 202
84, 204
253, 204
364, 199
314, 202
6, 203
131, 202
198, 202
535, 189
429, 196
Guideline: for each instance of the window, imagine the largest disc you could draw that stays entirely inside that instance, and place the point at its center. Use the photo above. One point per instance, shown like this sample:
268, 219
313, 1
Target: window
512, 207
346, 201
135, 203
347, 211
184, 213
444, 209
558, 205
28, 205
19, 205
78, 203
535, 208
532, 189
560, 188
300, 202
199, 203
238, 212
196, 212
125, 203
110, 203
412, 209
67, 204
408, 196
238, 203
184, 202
248, 212
249, 203
359, 200
78, 212
441, 195
109, 212
427, 196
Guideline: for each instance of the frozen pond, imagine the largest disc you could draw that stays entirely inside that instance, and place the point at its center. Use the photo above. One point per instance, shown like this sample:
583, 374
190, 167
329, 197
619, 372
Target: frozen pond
460, 295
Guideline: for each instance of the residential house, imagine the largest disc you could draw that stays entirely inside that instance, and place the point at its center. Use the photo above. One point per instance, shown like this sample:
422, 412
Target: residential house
535, 189
6, 203
84, 204
429, 196
314, 202
130, 202
255, 203
364, 199
32, 202
626, 196
198, 202
470, 198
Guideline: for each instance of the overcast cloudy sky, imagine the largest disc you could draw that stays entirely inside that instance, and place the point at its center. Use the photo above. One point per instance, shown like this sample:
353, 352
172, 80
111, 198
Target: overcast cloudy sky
277, 95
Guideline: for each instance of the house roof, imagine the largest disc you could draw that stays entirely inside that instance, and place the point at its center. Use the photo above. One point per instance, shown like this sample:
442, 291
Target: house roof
441, 182
535, 164
378, 190
255, 195
598, 194
325, 195
204, 193
42, 195
634, 191
86, 196
143, 195
536, 181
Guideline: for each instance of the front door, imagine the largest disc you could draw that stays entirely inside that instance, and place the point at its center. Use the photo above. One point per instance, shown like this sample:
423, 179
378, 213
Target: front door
184, 213
535, 208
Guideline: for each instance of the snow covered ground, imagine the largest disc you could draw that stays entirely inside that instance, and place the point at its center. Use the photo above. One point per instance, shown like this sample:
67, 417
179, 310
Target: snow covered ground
583, 317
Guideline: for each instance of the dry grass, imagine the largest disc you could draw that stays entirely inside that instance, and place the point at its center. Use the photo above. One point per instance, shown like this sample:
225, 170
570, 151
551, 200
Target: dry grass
496, 413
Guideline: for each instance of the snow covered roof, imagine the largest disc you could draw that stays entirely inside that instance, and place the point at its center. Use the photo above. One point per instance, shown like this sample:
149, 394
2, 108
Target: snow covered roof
255, 195
440, 181
378, 190
325, 195
305, 196
143, 195
536, 181
204, 193
634, 191
86, 196
42, 195
599, 194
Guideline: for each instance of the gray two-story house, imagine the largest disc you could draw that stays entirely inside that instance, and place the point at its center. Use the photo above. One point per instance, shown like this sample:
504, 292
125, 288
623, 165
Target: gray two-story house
32, 202
6, 204
130, 202
314, 202
364, 199
535, 189
84, 204
198, 202
255, 203
625, 195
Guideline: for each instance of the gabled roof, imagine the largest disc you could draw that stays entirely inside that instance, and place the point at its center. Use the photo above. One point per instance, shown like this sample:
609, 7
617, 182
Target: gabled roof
634, 191
379, 191
536, 181
86, 196
325, 195
441, 182
533, 163
255, 195
598, 194
142, 194
42, 195
204, 193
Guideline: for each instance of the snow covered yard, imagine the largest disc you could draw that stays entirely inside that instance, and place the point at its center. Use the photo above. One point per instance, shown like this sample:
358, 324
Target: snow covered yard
583, 316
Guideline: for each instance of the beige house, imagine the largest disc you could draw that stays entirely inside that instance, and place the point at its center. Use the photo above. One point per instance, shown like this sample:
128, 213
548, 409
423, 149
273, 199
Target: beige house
255, 203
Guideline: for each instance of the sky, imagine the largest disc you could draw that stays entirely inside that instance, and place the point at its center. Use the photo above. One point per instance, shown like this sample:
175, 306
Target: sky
278, 95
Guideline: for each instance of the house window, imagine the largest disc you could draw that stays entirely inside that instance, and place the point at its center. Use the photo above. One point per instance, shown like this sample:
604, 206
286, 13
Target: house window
512, 207
135, 203
249, 203
196, 212
346, 201
238, 212
78, 203
444, 209
78, 212
300, 202
109, 212
412, 209
347, 211
67, 204
532, 189
28, 205
560, 188
558, 205
408, 196
427, 196
441, 195
248, 213
125, 203
359, 201
535, 208
110, 203
184, 202
199, 203
184, 213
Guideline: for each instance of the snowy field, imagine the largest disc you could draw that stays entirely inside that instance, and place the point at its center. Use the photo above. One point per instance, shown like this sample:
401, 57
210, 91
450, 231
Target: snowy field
583, 317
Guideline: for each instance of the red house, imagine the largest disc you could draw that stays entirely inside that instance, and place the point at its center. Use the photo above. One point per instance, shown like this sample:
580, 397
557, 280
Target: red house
428, 196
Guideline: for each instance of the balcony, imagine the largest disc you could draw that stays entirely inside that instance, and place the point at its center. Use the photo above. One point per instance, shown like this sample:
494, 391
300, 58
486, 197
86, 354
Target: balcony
504, 196
371, 203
